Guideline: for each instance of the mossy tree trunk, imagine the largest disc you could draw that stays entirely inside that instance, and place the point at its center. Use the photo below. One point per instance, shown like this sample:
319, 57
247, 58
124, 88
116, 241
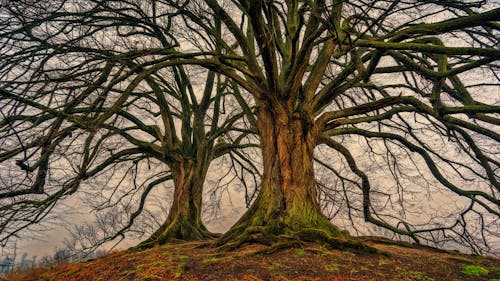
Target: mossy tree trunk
189, 165
287, 208
184, 221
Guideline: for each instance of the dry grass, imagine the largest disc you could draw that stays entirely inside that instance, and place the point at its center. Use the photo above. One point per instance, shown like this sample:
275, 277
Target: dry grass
189, 261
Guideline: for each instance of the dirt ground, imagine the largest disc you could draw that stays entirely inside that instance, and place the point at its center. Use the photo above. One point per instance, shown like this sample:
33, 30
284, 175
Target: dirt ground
200, 261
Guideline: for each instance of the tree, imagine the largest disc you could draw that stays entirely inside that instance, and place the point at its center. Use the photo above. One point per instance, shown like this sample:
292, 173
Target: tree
315, 70
389, 74
84, 105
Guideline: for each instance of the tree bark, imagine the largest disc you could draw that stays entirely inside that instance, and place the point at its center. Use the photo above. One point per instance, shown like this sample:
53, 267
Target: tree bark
184, 219
287, 208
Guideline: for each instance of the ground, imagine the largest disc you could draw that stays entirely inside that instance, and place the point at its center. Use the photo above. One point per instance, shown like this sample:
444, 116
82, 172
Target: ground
395, 261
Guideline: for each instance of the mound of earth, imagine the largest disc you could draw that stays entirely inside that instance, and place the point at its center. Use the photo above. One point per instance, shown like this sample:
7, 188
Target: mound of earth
198, 261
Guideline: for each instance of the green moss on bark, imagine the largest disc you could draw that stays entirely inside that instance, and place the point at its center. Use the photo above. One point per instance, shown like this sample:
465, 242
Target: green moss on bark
283, 229
180, 229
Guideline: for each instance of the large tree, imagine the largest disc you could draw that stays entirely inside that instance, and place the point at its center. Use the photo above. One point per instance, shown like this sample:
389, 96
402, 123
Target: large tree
76, 114
330, 72
366, 79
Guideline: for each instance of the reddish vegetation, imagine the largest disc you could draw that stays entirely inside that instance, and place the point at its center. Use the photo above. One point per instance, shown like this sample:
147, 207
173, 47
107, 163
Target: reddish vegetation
196, 261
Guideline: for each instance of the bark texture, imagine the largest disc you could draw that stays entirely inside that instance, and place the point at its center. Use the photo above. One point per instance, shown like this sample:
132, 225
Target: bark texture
184, 219
287, 211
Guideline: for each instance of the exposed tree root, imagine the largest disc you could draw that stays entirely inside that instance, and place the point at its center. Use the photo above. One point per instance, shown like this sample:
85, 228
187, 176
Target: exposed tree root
270, 221
280, 246
279, 236
181, 230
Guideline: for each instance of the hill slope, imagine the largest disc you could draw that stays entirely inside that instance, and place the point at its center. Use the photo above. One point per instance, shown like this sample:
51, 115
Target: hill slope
194, 261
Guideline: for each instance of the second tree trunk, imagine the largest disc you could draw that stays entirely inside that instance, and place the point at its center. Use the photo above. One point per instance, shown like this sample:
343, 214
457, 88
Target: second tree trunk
184, 219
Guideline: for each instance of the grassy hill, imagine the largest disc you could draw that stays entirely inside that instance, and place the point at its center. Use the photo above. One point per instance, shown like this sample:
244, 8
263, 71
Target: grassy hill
197, 261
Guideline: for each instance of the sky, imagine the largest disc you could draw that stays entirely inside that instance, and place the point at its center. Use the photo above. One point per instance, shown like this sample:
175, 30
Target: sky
50, 240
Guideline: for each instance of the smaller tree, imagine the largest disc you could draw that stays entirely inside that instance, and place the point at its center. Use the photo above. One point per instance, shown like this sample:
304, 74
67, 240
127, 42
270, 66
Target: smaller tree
115, 121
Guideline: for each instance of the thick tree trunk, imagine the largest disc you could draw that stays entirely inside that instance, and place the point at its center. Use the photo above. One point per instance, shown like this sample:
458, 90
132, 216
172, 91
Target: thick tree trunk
287, 211
184, 219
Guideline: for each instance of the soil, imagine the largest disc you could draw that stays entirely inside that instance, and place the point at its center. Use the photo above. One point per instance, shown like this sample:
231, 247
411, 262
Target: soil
397, 261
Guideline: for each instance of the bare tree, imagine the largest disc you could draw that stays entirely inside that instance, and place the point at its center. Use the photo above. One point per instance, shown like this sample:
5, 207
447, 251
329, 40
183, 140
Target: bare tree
388, 74
88, 105
383, 85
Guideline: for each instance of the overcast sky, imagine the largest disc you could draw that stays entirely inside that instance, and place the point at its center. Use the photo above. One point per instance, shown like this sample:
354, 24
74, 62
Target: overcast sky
48, 241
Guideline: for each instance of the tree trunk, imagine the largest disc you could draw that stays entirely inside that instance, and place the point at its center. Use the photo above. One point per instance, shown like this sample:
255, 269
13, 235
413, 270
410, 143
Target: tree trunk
287, 211
184, 219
